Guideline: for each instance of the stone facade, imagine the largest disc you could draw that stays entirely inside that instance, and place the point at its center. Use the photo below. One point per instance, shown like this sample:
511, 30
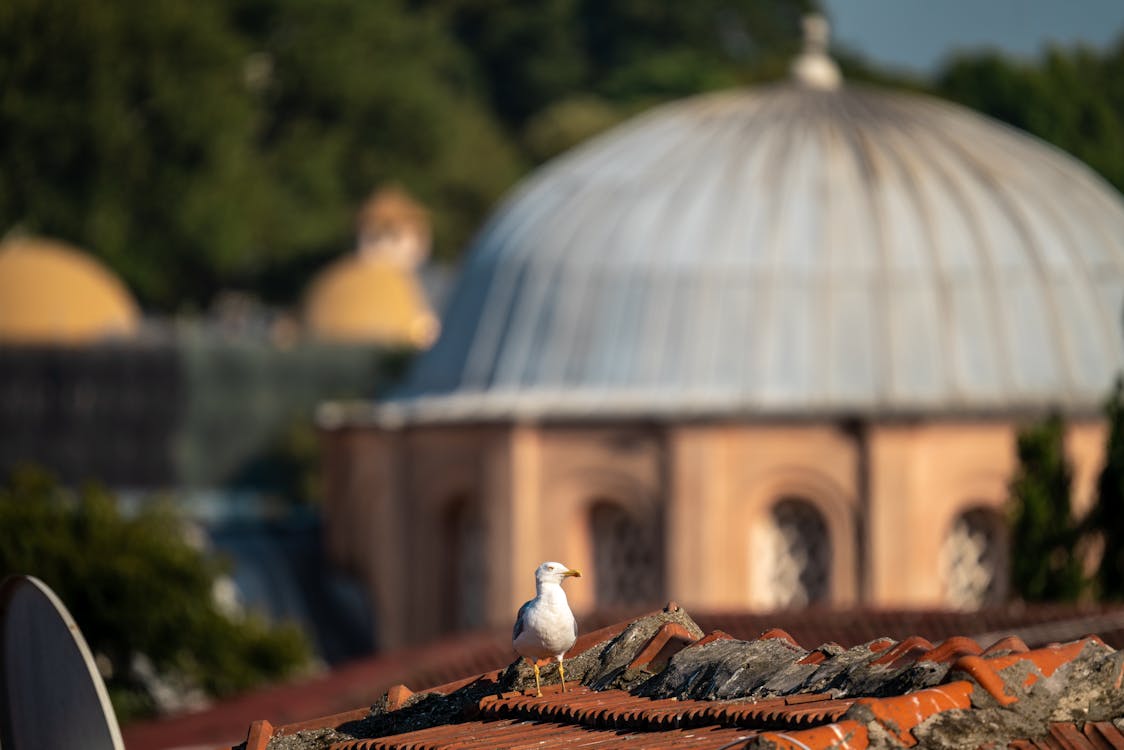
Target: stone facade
444, 524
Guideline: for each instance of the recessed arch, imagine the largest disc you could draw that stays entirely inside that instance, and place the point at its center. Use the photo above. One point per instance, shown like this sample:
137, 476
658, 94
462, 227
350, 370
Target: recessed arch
973, 558
628, 554
568, 521
799, 509
795, 557
465, 564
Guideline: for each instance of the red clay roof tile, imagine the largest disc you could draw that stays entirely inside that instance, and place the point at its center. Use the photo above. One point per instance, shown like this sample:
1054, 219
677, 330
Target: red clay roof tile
794, 700
1069, 737
669, 640
846, 735
952, 648
778, 633
1092, 735
397, 696
813, 657
986, 677
712, 636
986, 671
257, 738
1103, 735
906, 651
811, 714
1010, 644
545, 736
900, 714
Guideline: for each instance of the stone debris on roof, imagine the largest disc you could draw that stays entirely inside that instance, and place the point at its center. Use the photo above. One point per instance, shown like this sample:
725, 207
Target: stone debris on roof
1036, 624
659, 682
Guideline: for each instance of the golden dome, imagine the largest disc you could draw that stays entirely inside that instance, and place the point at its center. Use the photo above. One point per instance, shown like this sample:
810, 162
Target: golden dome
51, 292
364, 299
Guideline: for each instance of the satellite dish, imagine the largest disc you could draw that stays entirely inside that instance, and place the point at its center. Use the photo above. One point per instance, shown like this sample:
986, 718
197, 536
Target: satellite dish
51, 695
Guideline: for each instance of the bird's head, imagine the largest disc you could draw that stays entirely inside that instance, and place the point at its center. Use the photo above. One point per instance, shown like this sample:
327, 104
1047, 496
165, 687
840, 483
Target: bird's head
553, 572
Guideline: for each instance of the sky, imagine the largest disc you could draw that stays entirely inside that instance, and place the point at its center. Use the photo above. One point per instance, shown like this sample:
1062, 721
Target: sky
917, 35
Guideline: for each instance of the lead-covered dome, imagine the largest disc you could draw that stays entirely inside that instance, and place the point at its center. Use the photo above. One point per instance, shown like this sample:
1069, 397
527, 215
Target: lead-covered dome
788, 250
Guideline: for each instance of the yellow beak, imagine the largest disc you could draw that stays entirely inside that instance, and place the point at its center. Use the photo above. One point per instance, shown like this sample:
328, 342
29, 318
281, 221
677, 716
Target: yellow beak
574, 572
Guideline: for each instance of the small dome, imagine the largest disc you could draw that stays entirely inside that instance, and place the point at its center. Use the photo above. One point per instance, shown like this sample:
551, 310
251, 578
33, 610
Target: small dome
53, 293
372, 300
789, 250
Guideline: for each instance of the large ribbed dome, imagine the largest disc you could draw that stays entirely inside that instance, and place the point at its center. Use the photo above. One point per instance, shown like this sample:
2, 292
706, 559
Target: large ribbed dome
789, 250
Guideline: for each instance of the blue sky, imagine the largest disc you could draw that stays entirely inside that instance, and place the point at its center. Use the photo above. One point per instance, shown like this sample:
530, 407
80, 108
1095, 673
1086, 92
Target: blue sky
916, 35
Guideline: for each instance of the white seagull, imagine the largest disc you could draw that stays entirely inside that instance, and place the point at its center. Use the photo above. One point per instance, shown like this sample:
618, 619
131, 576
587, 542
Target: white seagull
545, 627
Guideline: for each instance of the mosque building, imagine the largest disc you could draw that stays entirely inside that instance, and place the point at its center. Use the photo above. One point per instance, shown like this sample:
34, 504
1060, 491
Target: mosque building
754, 349
92, 390
375, 295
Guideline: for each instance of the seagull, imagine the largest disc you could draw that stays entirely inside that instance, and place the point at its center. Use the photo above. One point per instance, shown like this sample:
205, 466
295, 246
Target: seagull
545, 627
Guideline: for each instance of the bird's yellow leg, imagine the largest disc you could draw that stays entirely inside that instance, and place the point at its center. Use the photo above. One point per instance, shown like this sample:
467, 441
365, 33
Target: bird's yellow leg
538, 689
562, 674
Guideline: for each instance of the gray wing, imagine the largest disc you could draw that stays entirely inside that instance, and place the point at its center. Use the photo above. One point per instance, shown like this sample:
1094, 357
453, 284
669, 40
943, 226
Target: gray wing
519, 620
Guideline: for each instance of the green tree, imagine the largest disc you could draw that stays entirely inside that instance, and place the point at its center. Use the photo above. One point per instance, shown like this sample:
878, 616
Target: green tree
624, 56
124, 127
1107, 516
356, 93
136, 587
526, 55
1045, 565
567, 123
197, 146
664, 50
1070, 97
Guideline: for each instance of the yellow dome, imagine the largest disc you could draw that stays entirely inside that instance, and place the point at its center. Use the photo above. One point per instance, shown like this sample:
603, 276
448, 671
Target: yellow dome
370, 300
53, 293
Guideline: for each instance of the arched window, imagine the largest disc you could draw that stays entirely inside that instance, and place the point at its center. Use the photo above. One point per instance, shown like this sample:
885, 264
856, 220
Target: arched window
465, 566
973, 560
627, 555
794, 556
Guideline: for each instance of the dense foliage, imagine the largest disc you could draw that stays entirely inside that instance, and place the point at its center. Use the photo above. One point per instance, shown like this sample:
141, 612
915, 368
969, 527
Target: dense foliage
1045, 563
534, 57
1107, 517
1072, 98
228, 143
140, 593
197, 146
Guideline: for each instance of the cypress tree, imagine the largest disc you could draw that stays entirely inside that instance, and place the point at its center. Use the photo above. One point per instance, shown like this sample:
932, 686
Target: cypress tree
1044, 562
1107, 516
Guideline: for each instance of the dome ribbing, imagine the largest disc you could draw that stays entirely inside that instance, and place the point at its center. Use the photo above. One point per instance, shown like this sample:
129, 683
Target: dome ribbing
788, 251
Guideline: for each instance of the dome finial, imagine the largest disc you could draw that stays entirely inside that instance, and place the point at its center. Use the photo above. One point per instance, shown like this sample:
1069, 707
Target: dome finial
813, 67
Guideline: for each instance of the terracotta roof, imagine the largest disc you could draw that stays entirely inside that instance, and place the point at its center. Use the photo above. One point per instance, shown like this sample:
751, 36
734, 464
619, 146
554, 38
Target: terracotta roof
658, 682
363, 681
359, 683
